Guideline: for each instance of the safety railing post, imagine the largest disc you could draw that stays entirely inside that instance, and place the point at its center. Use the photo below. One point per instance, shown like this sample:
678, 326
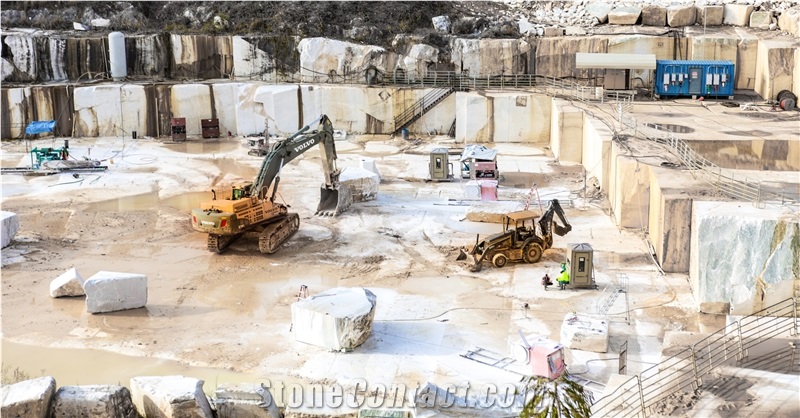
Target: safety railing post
641, 395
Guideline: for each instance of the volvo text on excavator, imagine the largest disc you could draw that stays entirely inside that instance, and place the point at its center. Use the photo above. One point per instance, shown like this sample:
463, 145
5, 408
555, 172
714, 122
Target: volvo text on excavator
519, 240
251, 206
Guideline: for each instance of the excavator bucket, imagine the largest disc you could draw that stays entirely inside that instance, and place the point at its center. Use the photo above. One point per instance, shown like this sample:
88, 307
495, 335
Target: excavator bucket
333, 201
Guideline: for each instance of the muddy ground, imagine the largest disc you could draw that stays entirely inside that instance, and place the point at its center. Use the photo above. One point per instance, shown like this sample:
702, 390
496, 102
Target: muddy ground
227, 317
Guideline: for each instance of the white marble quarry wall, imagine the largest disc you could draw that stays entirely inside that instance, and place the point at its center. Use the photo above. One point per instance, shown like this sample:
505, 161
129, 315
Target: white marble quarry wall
226, 101
14, 117
628, 190
555, 56
596, 150
22, 50
662, 47
722, 47
743, 256
418, 58
746, 57
669, 221
355, 109
133, 113
437, 120
490, 56
503, 117
321, 57
198, 57
98, 110
775, 67
250, 62
566, 131
796, 82
193, 102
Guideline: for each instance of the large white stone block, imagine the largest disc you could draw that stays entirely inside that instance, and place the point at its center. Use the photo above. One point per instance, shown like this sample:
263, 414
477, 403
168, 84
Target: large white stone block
760, 19
737, 14
710, 15
29, 398
98, 110
363, 184
70, 283
742, 256
681, 15
321, 57
585, 332
170, 397
249, 61
775, 67
369, 165
418, 59
10, 227
599, 10
336, 319
789, 21
110, 291
653, 15
94, 401
441, 23
243, 400
624, 16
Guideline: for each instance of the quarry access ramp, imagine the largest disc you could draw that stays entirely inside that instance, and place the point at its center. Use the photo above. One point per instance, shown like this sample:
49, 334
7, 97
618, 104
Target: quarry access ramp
739, 345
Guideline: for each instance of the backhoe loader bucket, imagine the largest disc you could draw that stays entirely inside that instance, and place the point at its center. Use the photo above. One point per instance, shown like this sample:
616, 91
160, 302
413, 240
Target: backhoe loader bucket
462, 255
475, 266
333, 201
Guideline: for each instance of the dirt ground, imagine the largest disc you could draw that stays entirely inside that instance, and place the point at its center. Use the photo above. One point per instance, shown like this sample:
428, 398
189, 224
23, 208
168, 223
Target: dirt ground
227, 317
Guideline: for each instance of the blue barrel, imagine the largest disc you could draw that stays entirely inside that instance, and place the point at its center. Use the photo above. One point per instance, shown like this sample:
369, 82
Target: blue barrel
404, 134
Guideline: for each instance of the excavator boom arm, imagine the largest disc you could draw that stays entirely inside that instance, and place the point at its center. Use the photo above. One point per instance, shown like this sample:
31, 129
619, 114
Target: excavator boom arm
289, 149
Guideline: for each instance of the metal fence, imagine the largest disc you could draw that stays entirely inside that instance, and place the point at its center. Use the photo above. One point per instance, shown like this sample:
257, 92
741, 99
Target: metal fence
644, 394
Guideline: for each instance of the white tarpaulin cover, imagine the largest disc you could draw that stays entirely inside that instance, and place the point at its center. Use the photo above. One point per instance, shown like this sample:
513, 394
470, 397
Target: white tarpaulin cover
478, 152
615, 61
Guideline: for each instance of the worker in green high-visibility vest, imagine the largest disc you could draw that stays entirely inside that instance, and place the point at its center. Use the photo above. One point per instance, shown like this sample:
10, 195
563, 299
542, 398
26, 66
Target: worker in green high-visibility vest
563, 277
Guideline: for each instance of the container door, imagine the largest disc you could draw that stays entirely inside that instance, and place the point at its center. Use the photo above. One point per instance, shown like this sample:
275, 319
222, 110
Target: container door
695, 81
438, 167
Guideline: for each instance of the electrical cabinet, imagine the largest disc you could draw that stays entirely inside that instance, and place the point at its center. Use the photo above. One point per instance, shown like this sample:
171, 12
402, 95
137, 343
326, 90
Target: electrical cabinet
694, 78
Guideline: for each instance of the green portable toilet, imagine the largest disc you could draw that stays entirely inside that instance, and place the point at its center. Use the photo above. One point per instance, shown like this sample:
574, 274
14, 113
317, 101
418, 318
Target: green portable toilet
440, 167
580, 263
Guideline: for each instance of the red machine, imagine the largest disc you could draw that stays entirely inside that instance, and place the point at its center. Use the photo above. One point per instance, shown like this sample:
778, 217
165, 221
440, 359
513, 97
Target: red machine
546, 357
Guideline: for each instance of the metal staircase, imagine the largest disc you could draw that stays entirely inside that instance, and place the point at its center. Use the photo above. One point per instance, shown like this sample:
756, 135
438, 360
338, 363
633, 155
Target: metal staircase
422, 106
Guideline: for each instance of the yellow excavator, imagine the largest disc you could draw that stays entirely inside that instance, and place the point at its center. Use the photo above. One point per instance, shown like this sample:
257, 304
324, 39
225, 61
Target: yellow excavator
251, 206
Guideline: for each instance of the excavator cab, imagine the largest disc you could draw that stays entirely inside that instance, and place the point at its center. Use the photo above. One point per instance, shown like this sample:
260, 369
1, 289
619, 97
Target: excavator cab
241, 191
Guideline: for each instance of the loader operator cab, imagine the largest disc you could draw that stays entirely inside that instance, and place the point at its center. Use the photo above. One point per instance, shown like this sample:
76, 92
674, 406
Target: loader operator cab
520, 222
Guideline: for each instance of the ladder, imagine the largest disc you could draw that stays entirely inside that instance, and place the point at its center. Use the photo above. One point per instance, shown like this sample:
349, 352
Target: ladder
491, 358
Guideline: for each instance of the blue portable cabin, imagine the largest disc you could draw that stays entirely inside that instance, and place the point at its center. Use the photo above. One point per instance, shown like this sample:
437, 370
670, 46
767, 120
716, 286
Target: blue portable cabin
694, 78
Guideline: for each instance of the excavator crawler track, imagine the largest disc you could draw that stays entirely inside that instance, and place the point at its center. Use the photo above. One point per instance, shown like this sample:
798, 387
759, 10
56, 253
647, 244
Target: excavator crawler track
276, 233
219, 243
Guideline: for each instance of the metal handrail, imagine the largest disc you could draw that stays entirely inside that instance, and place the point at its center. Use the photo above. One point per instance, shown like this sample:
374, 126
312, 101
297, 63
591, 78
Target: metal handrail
686, 369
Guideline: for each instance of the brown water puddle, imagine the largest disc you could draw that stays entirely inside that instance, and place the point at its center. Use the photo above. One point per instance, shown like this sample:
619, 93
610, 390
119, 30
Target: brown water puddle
148, 201
71, 366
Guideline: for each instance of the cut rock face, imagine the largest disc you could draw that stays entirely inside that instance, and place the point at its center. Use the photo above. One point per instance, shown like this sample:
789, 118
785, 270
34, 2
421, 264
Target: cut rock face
170, 397
29, 398
363, 183
244, 400
624, 16
68, 284
109, 291
654, 16
336, 319
10, 227
94, 401
710, 15
678, 16
737, 14
760, 20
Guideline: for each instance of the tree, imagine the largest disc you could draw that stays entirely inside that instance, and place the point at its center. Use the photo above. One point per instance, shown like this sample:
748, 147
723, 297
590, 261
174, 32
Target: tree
558, 398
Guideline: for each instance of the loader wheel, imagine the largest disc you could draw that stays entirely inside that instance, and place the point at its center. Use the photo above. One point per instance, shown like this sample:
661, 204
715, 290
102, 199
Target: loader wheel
499, 260
533, 253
